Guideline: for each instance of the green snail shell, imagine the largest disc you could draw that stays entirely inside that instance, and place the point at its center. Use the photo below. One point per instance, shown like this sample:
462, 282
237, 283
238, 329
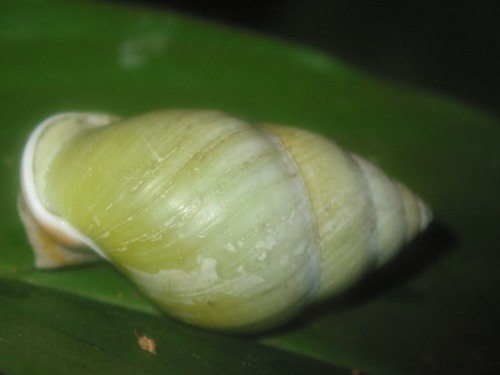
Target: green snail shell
223, 224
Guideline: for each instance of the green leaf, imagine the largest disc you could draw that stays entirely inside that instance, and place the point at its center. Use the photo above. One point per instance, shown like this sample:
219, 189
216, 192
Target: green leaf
62, 333
434, 310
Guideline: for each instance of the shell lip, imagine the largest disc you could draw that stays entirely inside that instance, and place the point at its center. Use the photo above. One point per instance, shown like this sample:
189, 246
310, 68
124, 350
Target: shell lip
54, 225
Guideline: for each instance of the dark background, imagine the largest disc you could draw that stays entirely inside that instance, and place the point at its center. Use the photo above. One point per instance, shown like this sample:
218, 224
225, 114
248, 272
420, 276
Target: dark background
450, 47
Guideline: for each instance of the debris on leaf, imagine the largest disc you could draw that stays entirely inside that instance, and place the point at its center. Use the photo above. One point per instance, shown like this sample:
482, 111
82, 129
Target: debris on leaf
146, 343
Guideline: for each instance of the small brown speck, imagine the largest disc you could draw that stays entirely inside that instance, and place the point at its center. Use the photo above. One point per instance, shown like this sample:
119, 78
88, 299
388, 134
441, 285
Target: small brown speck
146, 343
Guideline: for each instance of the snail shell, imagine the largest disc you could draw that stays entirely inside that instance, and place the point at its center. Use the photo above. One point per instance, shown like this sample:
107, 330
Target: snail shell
222, 224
